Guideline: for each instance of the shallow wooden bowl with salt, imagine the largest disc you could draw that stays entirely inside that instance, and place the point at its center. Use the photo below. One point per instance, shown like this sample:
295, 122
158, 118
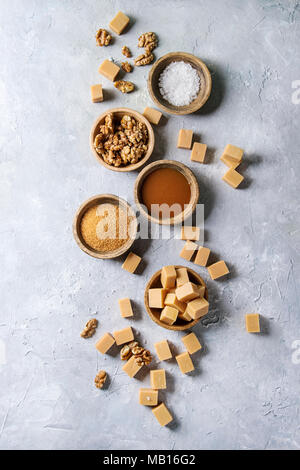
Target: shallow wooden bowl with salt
202, 71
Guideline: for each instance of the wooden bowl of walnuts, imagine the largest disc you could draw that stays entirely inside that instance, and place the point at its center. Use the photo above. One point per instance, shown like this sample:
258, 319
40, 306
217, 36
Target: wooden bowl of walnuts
122, 139
154, 313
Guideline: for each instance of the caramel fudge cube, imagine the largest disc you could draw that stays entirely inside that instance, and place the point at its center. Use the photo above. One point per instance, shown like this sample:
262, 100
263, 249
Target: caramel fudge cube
131, 262
185, 316
105, 343
252, 323
125, 308
148, 397
163, 351
152, 115
172, 301
185, 139
191, 343
190, 233
230, 163
188, 250
123, 336
197, 308
158, 379
168, 276
97, 93
232, 154
131, 367
156, 297
188, 291
233, 178
185, 362
198, 152
162, 414
218, 269
109, 70
201, 290
169, 315
119, 23
202, 256
182, 276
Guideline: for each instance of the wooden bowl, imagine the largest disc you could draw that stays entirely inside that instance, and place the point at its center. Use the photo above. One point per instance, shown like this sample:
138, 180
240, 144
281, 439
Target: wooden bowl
189, 175
100, 199
205, 83
119, 113
154, 313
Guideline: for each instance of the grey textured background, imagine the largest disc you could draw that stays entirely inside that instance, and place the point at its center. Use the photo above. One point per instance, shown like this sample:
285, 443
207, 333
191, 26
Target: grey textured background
244, 393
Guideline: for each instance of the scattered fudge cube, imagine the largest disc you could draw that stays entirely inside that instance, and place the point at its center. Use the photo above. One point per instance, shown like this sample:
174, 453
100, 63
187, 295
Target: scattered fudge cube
230, 163
153, 115
156, 297
119, 23
185, 362
198, 152
168, 276
191, 343
188, 250
163, 351
252, 322
202, 256
148, 397
123, 336
190, 233
162, 414
185, 316
172, 301
197, 308
218, 269
131, 262
169, 315
182, 276
109, 70
104, 343
232, 154
188, 291
233, 178
131, 367
125, 308
158, 379
97, 93
185, 139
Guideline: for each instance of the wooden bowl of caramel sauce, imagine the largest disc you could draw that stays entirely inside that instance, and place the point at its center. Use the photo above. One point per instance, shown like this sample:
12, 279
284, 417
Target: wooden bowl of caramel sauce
166, 192
154, 313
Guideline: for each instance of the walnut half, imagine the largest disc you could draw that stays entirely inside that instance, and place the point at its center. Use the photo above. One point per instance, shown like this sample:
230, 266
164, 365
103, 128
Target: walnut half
126, 51
103, 37
89, 328
126, 67
124, 86
100, 379
144, 59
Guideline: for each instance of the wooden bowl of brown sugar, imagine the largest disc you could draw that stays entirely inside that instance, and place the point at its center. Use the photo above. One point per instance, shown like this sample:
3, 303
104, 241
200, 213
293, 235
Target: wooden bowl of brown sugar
105, 226
118, 113
154, 313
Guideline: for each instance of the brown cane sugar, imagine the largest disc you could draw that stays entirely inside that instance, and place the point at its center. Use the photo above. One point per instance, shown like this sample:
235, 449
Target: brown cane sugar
165, 186
105, 227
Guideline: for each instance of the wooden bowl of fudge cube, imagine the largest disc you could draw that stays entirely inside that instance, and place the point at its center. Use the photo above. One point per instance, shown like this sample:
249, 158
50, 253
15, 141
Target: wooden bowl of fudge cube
176, 298
122, 139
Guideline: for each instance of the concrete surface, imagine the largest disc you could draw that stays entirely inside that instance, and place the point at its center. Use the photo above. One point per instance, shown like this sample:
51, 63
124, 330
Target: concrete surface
244, 393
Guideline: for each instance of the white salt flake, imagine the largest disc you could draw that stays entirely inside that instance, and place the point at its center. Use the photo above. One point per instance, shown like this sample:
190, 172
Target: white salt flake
179, 83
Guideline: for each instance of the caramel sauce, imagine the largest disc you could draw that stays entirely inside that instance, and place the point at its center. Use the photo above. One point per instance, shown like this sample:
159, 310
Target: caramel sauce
165, 186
